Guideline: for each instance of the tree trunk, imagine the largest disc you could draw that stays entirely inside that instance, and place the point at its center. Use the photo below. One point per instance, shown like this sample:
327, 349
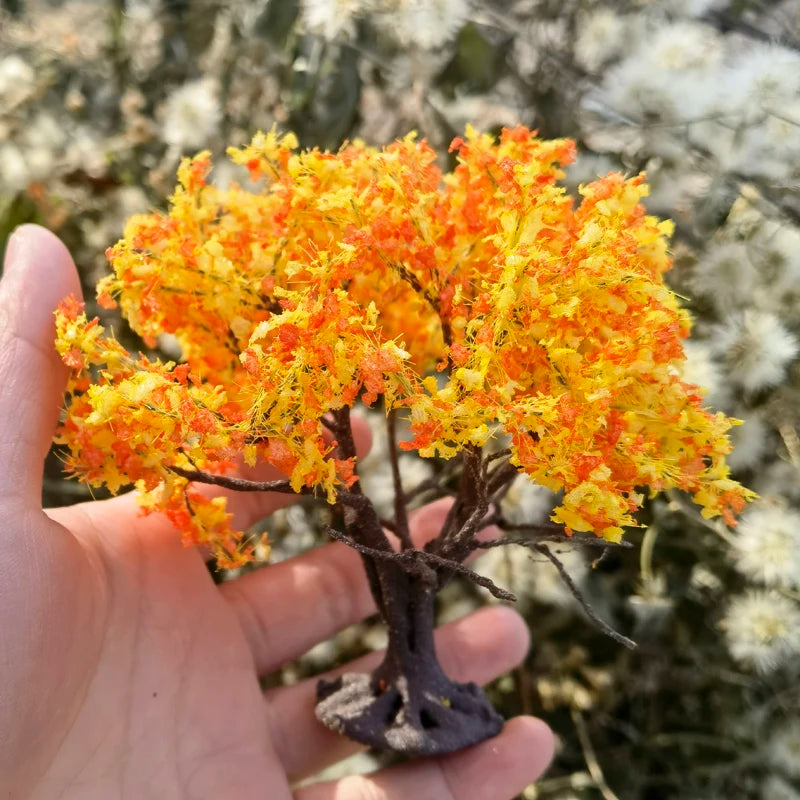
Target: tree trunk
408, 704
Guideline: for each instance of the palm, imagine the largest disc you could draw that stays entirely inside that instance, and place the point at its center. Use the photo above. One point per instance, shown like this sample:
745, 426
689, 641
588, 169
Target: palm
165, 654
125, 671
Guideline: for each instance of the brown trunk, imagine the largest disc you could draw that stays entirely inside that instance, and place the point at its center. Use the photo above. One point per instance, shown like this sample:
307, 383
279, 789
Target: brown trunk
408, 704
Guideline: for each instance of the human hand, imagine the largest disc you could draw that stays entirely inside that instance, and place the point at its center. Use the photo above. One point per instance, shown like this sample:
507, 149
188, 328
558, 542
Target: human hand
124, 671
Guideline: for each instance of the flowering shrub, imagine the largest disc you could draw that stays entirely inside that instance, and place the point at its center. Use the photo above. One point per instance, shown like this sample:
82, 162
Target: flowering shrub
478, 304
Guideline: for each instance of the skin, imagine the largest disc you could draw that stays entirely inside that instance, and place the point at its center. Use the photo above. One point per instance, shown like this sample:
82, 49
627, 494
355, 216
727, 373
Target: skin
126, 673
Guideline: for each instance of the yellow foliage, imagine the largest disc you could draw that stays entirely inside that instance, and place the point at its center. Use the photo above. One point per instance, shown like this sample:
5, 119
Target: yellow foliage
355, 275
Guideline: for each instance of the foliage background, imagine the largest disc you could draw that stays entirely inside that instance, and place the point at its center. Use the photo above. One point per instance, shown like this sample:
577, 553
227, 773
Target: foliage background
98, 101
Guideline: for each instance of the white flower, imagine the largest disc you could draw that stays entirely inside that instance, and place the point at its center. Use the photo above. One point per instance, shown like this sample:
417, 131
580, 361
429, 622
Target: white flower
142, 34
782, 129
332, 18
413, 470
783, 749
684, 45
378, 484
721, 136
767, 545
778, 479
601, 36
589, 167
702, 579
192, 115
762, 629
674, 191
45, 138
769, 145
422, 23
669, 77
764, 77
46, 130
379, 451
776, 248
526, 502
131, 200
701, 369
756, 348
17, 81
727, 276
638, 92
477, 110
685, 8
15, 171
86, 150
749, 440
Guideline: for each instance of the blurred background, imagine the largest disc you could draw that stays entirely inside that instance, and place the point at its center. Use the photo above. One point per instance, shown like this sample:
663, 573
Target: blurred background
99, 100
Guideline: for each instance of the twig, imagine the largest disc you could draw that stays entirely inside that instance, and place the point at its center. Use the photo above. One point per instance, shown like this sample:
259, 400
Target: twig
400, 511
489, 520
532, 527
412, 557
549, 537
328, 423
496, 498
499, 454
481, 580
553, 532
467, 511
422, 486
343, 431
238, 484
567, 578
591, 759
430, 484
389, 525
500, 477
601, 558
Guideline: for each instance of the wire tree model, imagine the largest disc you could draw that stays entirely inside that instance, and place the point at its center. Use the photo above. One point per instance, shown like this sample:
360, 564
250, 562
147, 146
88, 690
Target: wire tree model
480, 305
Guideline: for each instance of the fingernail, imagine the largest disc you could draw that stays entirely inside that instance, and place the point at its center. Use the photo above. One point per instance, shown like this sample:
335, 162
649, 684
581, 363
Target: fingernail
37, 274
11, 247
19, 241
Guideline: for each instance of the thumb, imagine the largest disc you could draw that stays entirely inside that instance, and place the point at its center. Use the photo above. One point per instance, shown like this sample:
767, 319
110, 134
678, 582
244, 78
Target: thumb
37, 273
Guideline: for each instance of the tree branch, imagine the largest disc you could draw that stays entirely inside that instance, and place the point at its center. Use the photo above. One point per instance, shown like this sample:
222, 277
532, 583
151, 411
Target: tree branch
567, 578
500, 477
400, 509
549, 537
343, 431
238, 484
464, 518
415, 557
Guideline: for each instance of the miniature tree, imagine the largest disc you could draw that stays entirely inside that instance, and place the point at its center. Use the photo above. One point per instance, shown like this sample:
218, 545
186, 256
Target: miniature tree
478, 305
